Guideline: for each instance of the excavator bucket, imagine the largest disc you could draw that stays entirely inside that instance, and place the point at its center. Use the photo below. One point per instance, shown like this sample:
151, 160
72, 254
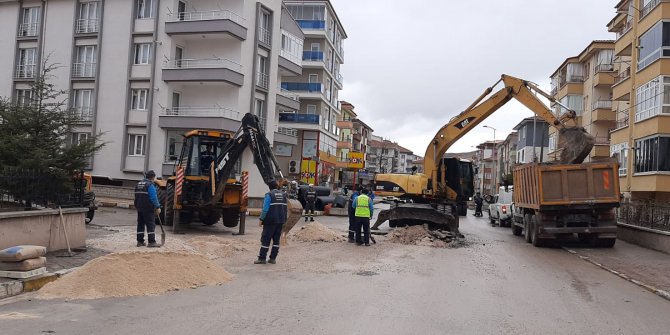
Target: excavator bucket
294, 215
417, 214
576, 144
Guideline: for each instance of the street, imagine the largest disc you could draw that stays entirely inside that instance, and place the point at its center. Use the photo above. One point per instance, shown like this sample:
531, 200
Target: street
495, 284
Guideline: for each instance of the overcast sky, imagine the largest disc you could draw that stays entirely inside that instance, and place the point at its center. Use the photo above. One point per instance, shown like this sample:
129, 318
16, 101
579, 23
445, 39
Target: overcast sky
410, 66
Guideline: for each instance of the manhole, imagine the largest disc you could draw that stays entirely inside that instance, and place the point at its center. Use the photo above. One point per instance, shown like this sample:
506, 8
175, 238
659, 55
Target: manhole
367, 273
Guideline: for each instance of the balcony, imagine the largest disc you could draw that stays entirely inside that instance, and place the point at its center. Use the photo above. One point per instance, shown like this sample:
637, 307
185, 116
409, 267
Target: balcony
312, 24
26, 71
345, 144
299, 118
289, 62
200, 118
207, 22
83, 114
28, 29
203, 70
624, 41
339, 79
262, 80
345, 123
604, 75
86, 26
288, 99
621, 89
602, 111
622, 122
650, 7
312, 56
84, 70
287, 131
303, 87
286, 135
265, 36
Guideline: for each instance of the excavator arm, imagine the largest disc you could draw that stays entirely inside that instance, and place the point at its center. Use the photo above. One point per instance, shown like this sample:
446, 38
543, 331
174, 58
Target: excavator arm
580, 142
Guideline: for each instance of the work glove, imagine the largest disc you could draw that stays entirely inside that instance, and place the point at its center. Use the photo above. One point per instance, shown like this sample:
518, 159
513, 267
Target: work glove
158, 211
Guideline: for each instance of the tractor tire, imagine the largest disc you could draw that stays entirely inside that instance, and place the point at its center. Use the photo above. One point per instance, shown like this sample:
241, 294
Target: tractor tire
231, 217
527, 228
166, 198
516, 230
210, 216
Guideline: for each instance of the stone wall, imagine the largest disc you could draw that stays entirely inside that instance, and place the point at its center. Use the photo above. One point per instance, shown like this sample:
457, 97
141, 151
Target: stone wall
43, 228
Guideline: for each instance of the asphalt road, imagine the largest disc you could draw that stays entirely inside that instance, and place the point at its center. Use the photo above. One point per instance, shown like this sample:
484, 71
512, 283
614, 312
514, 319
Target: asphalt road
497, 284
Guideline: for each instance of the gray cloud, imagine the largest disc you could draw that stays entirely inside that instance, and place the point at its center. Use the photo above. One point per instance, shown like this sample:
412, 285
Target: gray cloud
411, 66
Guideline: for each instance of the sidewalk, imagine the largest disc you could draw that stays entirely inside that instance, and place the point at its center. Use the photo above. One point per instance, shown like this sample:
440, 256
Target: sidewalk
645, 267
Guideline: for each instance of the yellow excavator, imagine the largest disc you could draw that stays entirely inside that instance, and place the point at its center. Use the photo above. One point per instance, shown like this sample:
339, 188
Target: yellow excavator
434, 197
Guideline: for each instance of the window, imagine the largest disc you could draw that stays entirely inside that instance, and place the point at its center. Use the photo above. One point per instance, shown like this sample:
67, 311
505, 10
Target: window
136, 145
621, 152
574, 102
139, 99
653, 98
311, 109
175, 142
262, 75
82, 104
142, 53
26, 67
260, 112
77, 138
291, 47
30, 21
85, 63
24, 97
654, 44
265, 33
88, 17
145, 9
652, 154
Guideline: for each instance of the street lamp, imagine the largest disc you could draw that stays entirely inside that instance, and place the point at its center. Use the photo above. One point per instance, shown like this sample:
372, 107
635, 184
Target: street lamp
494, 132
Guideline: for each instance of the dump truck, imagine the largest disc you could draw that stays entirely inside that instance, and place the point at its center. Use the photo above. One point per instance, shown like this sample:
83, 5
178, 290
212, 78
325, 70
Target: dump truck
557, 200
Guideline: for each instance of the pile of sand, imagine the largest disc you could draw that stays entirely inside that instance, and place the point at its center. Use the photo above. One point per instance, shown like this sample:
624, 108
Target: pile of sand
135, 274
316, 232
216, 247
420, 235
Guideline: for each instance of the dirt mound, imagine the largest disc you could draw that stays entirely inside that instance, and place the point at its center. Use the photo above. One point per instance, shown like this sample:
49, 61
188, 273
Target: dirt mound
216, 247
420, 235
316, 232
136, 274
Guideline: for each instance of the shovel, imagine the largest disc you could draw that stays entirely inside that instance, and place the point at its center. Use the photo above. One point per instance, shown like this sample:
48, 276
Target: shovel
160, 223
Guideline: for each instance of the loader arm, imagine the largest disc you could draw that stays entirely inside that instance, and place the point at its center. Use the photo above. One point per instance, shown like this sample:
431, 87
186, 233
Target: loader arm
249, 135
460, 125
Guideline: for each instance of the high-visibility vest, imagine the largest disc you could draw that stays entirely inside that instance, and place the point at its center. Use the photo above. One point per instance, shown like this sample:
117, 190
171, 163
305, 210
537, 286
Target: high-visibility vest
363, 206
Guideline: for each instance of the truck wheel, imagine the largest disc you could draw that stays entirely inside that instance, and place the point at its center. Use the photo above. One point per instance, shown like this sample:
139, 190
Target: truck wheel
534, 230
526, 227
516, 230
231, 217
166, 198
586, 238
209, 216
605, 242
492, 220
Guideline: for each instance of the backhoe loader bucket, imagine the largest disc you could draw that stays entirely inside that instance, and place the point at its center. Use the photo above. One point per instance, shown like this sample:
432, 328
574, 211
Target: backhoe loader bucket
576, 144
294, 215
417, 214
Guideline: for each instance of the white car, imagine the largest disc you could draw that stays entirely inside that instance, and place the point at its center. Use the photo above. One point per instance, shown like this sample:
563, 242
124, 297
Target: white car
500, 209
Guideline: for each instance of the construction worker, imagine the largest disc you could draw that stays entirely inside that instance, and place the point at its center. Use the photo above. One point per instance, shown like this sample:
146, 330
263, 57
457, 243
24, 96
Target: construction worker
352, 217
206, 159
273, 217
310, 203
146, 203
363, 211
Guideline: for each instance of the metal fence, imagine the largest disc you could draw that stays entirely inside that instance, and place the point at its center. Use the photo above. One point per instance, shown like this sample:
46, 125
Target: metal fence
30, 188
648, 215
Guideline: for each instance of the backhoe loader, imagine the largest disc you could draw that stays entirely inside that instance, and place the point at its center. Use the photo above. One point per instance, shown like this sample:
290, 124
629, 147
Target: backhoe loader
434, 196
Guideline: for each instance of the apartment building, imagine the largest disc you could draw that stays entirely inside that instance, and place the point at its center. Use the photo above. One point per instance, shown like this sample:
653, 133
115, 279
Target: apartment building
533, 141
352, 145
486, 176
584, 84
315, 121
507, 158
143, 72
641, 138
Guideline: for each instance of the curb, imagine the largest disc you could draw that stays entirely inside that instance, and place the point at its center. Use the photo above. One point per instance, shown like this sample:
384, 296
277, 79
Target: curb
16, 287
661, 293
124, 205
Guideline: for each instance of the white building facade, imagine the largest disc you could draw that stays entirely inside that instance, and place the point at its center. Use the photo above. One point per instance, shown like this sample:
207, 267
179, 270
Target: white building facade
143, 72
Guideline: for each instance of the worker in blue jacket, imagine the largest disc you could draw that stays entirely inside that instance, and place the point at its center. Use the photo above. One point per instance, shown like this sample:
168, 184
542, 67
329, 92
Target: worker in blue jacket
146, 203
273, 217
352, 217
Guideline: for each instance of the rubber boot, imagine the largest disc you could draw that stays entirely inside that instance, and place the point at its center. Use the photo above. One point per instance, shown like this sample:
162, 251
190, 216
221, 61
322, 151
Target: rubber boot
260, 261
272, 261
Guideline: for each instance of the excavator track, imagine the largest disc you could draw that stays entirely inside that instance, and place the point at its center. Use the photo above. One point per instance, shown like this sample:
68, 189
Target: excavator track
417, 214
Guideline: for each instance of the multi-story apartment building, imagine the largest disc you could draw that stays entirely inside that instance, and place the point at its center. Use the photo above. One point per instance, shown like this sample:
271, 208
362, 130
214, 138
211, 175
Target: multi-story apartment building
485, 164
506, 158
142, 72
352, 144
584, 84
641, 138
532, 140
315, 121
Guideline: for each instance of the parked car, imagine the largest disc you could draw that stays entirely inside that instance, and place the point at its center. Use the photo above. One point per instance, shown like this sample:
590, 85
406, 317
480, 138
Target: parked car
500, 209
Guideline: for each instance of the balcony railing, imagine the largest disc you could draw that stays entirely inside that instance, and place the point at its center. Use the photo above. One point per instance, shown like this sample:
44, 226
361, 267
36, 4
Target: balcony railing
203, 63
25, 71
602, 104
604, 68
83, 114
202, 112
87, 26
622, 76
312, 24
312, 56
287, 131
303, 87
602, 140
622, 122
299, 118
289, 94
28, 29
206, 15
295, 59
262, 80
626, 28
83, 70
264, 35
650, 6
